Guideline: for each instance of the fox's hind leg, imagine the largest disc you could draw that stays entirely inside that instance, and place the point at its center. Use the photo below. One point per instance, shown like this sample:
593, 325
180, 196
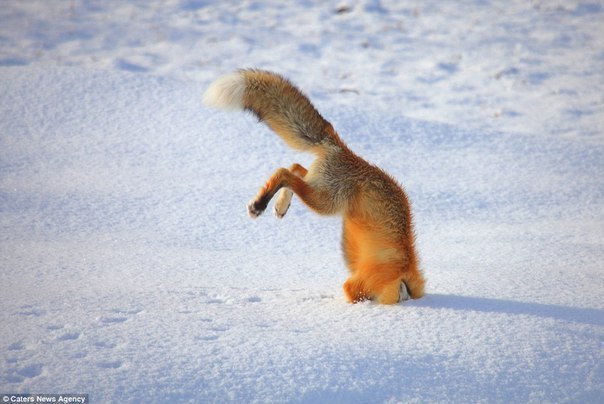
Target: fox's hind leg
415, 282
374, 281
355, 291
284, 197
390, 292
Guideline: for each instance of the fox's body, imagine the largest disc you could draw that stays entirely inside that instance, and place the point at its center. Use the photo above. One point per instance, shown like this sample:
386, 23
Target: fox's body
378, 239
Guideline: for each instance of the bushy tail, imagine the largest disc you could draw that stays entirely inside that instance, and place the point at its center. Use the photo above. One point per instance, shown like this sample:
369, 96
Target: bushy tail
275, 101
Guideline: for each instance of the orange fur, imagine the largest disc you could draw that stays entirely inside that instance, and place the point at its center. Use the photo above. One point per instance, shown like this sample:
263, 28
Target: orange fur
378, 239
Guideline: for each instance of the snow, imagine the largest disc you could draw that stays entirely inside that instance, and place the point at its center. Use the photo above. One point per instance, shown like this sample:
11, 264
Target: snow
130, 271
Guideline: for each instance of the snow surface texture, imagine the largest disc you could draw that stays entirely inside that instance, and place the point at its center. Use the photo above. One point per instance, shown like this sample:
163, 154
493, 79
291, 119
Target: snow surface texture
130, 270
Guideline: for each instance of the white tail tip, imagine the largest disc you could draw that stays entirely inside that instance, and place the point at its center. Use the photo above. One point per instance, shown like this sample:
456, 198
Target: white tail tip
226, 92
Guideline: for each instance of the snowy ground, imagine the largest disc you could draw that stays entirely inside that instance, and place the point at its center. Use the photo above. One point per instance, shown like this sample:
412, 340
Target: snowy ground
131, 272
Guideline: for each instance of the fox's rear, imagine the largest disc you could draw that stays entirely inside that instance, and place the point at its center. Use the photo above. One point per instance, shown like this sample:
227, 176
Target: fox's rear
378, 240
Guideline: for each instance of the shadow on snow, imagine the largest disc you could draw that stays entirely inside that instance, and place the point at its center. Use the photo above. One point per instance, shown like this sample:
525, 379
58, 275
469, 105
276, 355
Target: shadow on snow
487, 305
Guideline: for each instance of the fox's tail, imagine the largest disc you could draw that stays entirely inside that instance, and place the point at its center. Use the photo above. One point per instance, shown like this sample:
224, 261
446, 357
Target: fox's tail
275, 101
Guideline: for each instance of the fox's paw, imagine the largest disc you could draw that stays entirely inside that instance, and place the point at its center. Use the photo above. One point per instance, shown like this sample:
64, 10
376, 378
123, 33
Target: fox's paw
283, 201
255, 208
253, 211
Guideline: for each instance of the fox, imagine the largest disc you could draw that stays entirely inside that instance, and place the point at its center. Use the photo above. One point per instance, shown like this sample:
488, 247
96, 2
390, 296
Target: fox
378, 240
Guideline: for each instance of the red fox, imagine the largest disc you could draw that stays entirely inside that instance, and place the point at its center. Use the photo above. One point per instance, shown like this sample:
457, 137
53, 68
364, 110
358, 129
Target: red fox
378, 238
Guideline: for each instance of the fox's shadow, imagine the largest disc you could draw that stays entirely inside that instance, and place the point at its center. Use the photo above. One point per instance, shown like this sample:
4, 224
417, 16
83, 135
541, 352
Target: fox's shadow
487, 305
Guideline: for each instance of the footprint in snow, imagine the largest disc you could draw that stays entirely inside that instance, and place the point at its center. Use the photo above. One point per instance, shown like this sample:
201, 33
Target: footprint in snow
29, 310
16, 346
216, 301
207, 338
113, 320
119, 316
70, 336
14, 379
111, 364
216, 331
27, 372
105, 344
31, 370
129, 312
